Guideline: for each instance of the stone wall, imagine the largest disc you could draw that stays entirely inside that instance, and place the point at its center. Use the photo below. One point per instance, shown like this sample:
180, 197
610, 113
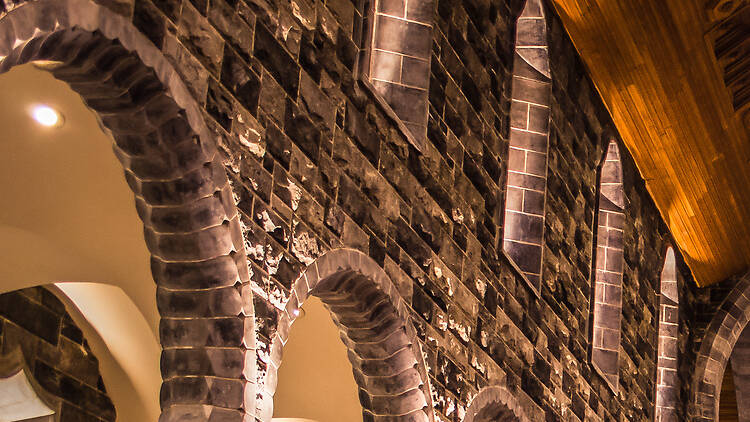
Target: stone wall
318, 163
56, 353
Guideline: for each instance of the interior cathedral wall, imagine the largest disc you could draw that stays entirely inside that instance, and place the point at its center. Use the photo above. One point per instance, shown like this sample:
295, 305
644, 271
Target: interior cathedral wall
317, 163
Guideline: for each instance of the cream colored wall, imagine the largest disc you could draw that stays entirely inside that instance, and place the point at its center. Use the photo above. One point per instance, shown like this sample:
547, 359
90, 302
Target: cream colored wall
315, 377
67, 217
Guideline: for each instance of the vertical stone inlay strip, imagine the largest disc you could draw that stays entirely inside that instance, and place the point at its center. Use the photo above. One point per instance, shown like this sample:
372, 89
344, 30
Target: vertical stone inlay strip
666, 377
399, 60
609, 268
523, 235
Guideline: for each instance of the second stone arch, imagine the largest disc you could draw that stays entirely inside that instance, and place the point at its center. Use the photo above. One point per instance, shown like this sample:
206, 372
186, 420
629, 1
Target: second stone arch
375, 325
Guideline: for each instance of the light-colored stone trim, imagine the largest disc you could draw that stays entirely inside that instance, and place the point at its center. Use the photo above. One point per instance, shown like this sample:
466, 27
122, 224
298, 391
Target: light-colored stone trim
526, 184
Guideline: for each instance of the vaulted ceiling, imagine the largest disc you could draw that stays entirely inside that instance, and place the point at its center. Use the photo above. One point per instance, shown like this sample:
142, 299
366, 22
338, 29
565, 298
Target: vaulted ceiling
675, 75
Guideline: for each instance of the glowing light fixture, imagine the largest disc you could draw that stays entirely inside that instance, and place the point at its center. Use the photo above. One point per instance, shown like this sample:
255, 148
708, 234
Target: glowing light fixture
47, 116
299, 313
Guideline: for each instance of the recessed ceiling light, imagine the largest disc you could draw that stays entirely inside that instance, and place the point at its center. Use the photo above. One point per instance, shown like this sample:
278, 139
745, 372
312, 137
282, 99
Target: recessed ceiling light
47, 116
299, 313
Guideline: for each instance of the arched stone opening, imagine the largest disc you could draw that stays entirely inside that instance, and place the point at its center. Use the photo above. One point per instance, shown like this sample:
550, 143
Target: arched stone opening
375, 325
717, 346
315, 380
495, 404
181, 192
77, 233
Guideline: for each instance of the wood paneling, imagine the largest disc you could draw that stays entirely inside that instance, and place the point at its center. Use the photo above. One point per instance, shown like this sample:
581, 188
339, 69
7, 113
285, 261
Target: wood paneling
656, 72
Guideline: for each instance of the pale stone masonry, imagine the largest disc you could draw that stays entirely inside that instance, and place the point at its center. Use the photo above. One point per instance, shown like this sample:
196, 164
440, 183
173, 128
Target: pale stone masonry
523, 238
399, 44
607, 311
667, 376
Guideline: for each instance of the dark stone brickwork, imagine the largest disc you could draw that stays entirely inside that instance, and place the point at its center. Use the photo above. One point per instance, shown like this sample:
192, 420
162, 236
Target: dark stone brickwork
316, 164
56, 353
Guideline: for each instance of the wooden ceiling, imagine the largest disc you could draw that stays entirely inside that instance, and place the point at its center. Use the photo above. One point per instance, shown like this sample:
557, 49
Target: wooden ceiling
680, 112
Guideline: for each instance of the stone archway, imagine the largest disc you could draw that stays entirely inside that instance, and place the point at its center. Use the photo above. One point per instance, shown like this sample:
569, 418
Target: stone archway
375, 326
181, 192
495, 403
721, 336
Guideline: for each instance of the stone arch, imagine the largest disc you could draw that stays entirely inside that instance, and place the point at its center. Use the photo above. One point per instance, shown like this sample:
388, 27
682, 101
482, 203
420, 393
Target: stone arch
182, 194
526, 185
716, 348
375, 325
608, 266
495, 403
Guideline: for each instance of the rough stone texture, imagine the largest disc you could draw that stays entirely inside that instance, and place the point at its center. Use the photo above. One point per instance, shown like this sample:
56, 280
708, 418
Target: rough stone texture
56, 352
315, 163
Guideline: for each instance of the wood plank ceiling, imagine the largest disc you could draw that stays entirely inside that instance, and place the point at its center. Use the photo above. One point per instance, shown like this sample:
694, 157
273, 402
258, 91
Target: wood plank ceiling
680, 113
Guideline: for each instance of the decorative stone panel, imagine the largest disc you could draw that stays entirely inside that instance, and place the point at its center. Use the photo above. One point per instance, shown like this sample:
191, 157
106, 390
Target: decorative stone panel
181, 192
398, 65
523, 237
667, 393
375, 326
609, 268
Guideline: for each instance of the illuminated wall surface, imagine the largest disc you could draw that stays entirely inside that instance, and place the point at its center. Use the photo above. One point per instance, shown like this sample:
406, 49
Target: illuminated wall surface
442, 176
